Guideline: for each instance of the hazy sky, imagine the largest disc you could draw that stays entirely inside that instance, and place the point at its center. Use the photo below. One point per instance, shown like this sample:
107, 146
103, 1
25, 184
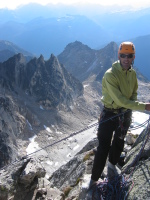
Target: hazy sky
12, 4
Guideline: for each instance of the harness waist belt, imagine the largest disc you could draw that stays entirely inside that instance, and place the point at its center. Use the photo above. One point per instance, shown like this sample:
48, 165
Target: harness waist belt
115, 110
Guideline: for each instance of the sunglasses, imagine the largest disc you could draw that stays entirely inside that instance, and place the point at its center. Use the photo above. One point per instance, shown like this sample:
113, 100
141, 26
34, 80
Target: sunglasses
126, 55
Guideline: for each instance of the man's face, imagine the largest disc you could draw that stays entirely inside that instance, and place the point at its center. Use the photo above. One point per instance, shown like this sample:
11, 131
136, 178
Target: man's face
126, 60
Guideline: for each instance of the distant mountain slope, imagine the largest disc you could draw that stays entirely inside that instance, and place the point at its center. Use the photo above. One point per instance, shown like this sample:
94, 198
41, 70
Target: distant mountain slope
84, 62
8, 49
142, 59
5, 55
48, 29
51, 35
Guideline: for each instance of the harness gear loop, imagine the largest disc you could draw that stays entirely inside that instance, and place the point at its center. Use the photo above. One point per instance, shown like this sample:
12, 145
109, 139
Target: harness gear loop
121, 121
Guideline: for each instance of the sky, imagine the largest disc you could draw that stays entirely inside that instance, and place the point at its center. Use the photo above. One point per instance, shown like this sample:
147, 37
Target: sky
12, 4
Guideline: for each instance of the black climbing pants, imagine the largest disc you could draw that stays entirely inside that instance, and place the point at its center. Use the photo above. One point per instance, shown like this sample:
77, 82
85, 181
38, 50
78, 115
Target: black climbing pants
110, 144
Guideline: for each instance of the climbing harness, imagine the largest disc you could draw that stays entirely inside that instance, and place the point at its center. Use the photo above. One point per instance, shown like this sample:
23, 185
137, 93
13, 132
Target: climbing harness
121, 119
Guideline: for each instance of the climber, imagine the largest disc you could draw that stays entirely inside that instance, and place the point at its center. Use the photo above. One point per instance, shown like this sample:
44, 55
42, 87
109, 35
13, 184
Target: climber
119, 97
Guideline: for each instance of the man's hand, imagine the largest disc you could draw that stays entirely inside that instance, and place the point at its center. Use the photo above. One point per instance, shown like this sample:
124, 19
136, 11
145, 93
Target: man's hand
147, 106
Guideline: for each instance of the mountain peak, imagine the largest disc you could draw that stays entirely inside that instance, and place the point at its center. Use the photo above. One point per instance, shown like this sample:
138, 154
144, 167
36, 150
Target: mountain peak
20, 58
112, 46
40, 60
83, 62
76, 45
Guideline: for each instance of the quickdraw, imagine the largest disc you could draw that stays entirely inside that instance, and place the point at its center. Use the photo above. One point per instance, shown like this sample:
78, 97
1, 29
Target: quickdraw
121, 120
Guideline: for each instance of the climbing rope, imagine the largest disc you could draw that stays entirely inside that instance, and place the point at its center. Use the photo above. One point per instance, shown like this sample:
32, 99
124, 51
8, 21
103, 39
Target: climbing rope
115, 188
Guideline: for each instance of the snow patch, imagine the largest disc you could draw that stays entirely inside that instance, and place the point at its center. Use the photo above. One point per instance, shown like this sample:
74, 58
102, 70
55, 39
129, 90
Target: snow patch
58, 132
71, 107
71, 138
48, 129
76, 147
33, 146
50, 137
49, 162
92, 66
41, 108
85, 85
137, 119
29, 125
47, 176
69, 155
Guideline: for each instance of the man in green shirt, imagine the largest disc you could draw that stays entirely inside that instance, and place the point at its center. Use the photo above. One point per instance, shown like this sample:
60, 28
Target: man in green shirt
119, 96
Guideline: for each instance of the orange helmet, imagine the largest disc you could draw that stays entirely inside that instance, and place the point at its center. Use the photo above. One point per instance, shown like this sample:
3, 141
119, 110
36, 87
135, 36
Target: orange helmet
126, 48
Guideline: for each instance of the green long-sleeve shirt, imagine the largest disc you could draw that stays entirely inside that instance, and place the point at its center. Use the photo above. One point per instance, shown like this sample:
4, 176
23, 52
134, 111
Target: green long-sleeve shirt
119, 88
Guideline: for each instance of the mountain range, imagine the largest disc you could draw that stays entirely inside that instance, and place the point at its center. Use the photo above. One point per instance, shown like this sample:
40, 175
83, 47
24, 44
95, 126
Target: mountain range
50, 35
80, 60
49, 29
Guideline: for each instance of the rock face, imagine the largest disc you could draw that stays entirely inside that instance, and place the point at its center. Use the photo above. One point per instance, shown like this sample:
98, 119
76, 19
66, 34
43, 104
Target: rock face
52, 84
26, 180
12, 125
47, 81
22, 179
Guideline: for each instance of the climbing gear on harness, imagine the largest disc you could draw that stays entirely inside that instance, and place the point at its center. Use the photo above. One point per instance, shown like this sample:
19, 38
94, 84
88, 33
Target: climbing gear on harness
123, 132
120, 117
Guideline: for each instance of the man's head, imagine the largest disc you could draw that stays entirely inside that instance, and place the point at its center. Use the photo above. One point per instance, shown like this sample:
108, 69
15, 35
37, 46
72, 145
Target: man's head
126, 54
